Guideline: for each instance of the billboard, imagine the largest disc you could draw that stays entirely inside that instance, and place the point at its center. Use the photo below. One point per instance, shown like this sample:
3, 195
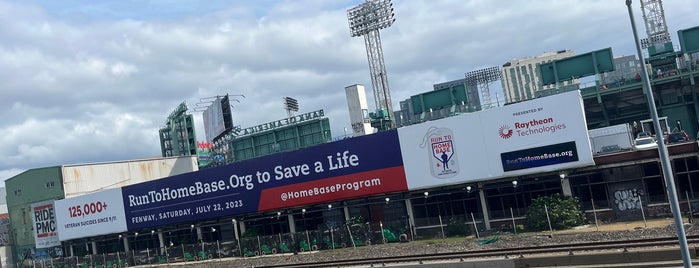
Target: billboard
90, 215
541, 135
217, 118
44, 220
350, 168
213, 120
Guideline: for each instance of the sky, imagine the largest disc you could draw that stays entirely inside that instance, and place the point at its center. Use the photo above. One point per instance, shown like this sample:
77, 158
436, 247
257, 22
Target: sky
93, 81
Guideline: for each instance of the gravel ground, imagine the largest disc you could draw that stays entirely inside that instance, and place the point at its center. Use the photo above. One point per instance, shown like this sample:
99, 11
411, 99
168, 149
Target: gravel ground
589, 234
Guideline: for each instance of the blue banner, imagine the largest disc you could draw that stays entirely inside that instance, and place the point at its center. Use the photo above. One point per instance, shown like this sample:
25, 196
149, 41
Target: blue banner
539, 156
350, 168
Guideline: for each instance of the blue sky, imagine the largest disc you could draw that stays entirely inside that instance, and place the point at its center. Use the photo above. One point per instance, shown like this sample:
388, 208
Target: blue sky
93, 81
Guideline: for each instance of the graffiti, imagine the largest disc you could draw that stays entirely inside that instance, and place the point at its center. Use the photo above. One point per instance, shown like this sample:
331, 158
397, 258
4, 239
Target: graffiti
629, 199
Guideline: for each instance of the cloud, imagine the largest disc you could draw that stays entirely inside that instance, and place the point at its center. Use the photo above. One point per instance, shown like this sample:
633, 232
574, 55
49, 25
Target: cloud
94, 81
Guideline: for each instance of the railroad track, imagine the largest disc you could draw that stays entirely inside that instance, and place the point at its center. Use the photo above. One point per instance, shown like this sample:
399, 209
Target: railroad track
502, 252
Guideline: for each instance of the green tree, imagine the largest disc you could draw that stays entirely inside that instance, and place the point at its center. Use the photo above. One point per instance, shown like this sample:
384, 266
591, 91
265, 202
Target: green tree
564, 212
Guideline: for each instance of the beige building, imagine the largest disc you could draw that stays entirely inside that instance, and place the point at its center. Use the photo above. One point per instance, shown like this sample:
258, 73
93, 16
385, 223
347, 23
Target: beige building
358, 110
521, 78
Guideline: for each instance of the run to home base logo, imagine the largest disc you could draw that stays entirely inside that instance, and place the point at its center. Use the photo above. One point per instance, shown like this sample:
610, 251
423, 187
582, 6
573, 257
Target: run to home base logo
444, 162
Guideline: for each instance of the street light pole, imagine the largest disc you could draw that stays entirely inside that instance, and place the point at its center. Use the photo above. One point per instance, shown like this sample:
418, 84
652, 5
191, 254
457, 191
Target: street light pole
662, 149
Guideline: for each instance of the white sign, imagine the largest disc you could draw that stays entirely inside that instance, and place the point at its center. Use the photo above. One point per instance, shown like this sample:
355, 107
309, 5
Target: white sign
541, 135
91, 215
44, 220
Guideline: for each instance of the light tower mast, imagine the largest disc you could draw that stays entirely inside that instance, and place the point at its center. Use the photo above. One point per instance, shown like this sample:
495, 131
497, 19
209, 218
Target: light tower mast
366, 20
481, 79
654, 19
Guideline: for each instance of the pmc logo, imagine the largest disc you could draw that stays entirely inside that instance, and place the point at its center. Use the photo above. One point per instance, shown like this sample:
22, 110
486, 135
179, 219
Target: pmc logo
505, 132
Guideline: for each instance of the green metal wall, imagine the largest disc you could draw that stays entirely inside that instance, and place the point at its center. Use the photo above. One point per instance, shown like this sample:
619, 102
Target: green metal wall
30, 187
438, 99
675, 97
288, 138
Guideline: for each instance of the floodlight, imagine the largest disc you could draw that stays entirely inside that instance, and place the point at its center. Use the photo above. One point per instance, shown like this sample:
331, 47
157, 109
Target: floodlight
482, 78
366, 20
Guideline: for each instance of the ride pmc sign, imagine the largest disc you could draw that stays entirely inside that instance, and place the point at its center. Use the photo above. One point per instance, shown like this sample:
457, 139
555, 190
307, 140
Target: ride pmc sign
44, 220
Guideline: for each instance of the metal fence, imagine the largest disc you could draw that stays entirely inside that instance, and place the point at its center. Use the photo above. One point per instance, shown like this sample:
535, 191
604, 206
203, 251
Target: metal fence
336, 237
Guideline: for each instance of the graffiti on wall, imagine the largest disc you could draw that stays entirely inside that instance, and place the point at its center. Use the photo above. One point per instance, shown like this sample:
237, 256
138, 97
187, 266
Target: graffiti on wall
628, 199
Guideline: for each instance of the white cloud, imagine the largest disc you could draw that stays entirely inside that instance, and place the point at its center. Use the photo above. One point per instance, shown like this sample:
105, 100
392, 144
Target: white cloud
94, 82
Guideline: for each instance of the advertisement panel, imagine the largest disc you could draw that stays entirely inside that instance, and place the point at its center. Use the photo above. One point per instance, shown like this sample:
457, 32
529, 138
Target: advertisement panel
90, 215
213, 120
350, 168
44, 220
544, 134
204, 154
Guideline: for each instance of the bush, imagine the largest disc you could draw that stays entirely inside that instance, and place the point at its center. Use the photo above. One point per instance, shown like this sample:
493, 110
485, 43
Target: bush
458, 227
564, 211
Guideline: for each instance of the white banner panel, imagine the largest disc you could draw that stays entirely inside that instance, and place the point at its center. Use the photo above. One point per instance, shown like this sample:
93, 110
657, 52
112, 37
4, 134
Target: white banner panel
91, 215
44, 221
541, 135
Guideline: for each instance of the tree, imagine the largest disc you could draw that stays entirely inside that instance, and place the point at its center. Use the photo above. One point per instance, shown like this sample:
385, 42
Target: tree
564, 212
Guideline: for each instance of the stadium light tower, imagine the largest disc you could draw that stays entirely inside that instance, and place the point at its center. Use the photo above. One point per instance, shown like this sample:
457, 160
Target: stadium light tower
366, 20
654, 19
291, 105
482, 79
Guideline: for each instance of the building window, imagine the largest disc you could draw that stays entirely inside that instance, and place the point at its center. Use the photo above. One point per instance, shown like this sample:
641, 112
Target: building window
428, 211
503, 196
447, 204
18, 192
589, 188
309, 221
687, 177
50, 185
501, 199
655, 187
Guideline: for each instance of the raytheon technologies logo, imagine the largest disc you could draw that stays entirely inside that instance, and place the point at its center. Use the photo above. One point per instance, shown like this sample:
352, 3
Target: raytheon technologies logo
544, 126
505, 132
